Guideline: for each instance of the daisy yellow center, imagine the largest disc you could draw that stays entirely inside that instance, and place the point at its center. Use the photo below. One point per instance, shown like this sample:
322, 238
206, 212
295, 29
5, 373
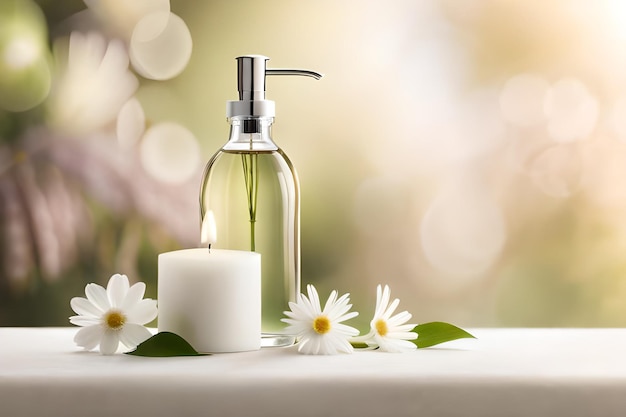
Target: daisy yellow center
321, 324
381, 327
114, 319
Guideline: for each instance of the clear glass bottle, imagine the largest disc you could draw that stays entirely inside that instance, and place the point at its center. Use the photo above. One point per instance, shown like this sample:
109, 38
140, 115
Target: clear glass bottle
252, 189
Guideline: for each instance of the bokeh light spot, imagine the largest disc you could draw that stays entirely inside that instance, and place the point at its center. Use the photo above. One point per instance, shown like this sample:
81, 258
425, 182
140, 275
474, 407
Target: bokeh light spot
380, 204
131, 122
618, 118
170, 153
157, 51
602, 182
616, 11
463, 232
521, 99
21, 52
571, 110
557, 171
122, 16
25, 88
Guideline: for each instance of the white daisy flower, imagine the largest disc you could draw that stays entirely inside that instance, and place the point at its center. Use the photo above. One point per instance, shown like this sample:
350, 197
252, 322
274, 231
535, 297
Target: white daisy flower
321, 332
114, 315
389, 333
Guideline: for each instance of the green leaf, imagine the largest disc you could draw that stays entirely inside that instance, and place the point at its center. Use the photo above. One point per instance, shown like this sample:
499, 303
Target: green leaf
436, 332
359, 345
165, 344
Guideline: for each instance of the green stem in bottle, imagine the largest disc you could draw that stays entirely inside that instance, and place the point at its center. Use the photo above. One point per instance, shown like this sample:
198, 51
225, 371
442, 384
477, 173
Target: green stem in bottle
250, 175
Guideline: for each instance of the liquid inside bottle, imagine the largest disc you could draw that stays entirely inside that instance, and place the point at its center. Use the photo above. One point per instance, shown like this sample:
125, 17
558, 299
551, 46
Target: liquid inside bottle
254, 197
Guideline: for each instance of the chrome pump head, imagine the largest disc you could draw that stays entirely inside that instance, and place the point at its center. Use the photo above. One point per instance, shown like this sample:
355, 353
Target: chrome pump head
251, 73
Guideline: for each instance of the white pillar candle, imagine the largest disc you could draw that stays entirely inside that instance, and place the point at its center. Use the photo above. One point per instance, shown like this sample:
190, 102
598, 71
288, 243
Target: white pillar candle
211, 298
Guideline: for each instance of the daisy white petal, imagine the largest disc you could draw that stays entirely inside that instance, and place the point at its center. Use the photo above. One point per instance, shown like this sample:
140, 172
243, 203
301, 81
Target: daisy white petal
402, 335
395, 345
343, 314
330, 303
297, 327
392, 307
400, 318
382, 299
143, 312
134, 295
98, 296
340, 307
89, 337
84, 307
345, 329
133, 334
110, 342
342, 344
313, 348
405, 328
314, 299
321, 331
84, 321
303, 307
116, 289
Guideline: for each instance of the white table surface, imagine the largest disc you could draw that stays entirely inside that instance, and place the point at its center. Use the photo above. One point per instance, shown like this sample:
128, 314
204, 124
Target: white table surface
505, 372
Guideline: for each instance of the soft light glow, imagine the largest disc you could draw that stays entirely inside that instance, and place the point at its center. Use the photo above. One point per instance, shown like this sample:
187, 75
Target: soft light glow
131, 123
557, 171
25, 73
25, 88
122, 15
94, 83
158, 52
616, 10
170, 153
602, 181
376, 201
480, 129
571, 110
618, 117
21, 52
521, 99
208, 231
463, 232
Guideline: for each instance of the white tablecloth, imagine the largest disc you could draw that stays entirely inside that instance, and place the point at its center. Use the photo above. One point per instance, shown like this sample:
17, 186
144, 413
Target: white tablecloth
505, 372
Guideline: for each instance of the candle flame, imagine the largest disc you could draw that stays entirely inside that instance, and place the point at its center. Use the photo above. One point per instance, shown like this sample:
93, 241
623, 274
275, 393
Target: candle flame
208, 232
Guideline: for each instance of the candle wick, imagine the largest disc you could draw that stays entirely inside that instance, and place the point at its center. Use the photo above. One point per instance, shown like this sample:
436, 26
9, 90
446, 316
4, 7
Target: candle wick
209, 248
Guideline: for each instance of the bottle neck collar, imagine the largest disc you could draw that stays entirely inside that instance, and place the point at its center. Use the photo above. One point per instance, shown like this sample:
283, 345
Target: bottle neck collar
251, 134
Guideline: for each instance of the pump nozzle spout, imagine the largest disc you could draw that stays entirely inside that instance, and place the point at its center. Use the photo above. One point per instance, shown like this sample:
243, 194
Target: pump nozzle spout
281, 71
251, 73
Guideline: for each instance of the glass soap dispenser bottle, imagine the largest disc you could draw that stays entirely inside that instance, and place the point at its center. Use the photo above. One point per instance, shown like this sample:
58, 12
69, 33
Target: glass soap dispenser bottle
251, 190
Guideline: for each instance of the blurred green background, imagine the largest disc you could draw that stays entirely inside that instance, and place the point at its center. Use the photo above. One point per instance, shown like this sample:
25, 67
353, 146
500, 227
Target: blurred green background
471, 154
